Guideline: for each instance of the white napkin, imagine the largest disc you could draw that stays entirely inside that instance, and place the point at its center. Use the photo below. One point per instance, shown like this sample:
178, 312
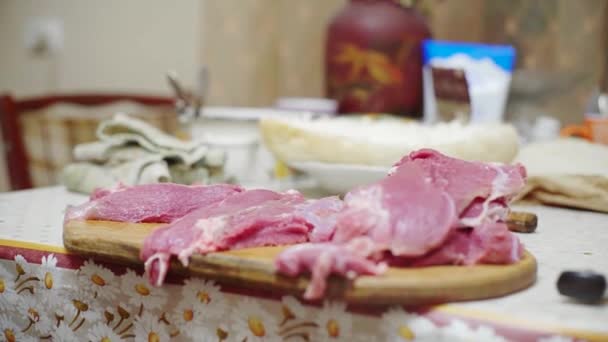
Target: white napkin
131, 151
566, 172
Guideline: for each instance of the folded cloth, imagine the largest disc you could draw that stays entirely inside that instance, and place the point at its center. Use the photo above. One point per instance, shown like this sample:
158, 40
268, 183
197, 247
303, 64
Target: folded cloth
130, 151
566, 172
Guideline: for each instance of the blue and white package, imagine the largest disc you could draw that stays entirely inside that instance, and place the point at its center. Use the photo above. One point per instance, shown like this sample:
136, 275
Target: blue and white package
487, 69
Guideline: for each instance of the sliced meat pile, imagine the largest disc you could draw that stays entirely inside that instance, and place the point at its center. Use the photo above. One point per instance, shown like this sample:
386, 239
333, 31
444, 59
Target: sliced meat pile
248, 219
431, 209
403, 213
480, 191
203, 219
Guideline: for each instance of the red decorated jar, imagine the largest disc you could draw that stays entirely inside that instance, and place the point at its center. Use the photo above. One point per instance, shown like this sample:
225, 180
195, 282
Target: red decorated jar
373, 58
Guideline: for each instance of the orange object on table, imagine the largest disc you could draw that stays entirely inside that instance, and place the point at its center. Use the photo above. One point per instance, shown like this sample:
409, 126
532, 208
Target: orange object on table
594, 128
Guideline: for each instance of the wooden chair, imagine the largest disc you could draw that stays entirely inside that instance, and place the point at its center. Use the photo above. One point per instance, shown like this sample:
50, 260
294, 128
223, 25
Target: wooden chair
11, 109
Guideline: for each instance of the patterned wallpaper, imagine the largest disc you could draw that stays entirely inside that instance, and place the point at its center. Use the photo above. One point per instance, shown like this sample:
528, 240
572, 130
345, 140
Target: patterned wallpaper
301, 45
258, 50
240, 49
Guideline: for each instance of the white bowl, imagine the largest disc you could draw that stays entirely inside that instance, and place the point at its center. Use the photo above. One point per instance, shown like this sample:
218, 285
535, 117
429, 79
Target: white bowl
340, 178
235, 130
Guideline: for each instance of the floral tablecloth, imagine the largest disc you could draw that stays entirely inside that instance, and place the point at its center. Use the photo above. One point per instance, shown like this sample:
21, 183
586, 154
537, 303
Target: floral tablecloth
48, 294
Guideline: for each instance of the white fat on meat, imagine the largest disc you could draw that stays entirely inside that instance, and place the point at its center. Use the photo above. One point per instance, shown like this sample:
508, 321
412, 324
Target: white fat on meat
157, 267
210, 228
516, 248
496, 213
369, 201
322, 259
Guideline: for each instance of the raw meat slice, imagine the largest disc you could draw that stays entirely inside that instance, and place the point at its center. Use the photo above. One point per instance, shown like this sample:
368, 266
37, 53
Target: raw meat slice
468, 182
490, 243
322, 214
159, 203
251, 218
268, 224
323, 259
403, 213
411, 215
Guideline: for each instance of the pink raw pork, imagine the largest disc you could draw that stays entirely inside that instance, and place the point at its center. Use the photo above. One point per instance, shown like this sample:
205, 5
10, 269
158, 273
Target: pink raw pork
480, 191
323, 259
490, 243
403, 214
431, 209
158, 203
249, 219
322, 214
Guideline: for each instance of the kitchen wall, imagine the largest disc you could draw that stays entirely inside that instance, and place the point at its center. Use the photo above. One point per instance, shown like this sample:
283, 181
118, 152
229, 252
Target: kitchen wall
110, 45
258, 50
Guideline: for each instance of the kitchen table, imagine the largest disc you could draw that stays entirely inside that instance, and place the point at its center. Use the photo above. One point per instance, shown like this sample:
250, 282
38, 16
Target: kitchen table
46, 292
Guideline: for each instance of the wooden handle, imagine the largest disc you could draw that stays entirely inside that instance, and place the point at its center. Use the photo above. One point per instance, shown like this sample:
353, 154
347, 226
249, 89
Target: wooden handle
522, 222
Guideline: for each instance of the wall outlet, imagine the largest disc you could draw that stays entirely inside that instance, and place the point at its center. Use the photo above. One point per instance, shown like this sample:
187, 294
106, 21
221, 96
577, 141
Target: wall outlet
43, 35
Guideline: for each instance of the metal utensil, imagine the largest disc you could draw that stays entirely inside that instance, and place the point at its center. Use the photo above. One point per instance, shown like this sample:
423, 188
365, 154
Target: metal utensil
188, 106
176, 86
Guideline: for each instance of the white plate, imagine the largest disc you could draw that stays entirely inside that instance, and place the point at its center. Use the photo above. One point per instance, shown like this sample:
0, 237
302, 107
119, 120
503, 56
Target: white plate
340, 178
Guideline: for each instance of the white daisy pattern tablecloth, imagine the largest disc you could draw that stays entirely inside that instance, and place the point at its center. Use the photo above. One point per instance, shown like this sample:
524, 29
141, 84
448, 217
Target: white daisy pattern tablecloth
50, 295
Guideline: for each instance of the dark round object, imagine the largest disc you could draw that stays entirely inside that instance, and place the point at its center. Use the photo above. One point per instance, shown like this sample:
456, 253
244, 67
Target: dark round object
585, 286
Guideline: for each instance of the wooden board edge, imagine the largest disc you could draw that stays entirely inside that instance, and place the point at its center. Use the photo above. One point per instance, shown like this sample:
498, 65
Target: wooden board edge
228, 268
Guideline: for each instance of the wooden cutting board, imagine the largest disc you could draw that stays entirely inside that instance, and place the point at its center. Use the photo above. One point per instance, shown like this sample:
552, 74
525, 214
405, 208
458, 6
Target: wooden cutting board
254, 268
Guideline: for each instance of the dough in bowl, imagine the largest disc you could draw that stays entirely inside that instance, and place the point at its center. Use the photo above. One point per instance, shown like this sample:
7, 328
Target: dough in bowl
366, 141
